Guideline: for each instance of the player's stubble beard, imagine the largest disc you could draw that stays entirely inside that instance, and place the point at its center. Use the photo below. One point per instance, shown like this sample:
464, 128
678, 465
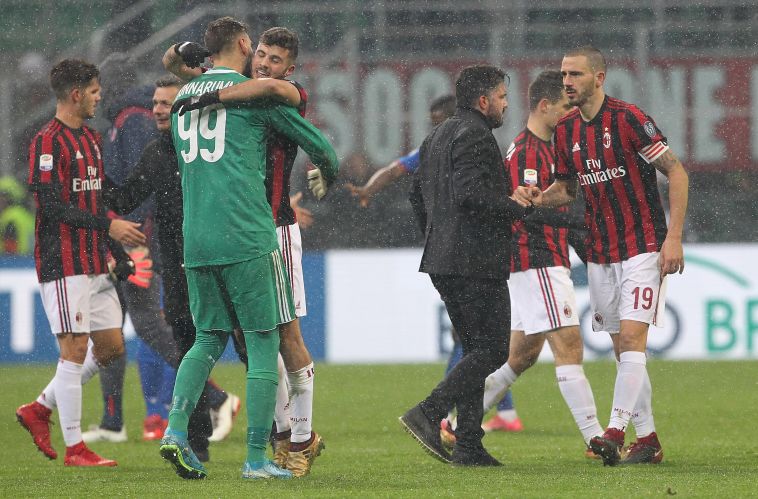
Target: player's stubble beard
247, 70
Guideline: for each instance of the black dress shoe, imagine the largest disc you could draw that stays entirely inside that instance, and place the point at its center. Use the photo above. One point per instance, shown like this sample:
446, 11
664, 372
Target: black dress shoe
473, 457
426, 432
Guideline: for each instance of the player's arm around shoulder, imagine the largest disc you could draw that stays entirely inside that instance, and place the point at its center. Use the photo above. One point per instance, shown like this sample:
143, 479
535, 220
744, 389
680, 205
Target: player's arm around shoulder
283, 91
287, 120
672, 254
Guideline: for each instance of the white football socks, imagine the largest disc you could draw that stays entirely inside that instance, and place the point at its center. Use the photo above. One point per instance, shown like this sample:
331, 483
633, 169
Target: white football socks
68, 394
281, 412
577, 393
301, 403
642, 417
89, 369
629, 381
497, 384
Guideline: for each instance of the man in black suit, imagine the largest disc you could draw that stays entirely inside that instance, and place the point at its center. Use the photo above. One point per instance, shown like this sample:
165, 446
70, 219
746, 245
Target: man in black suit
460, 199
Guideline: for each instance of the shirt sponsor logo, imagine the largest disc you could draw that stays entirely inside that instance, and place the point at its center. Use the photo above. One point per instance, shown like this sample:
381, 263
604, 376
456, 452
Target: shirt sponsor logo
596, 174
46, 162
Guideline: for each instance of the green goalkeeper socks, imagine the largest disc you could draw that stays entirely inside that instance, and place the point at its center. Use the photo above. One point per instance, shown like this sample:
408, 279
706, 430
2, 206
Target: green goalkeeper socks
262, 380
192, 374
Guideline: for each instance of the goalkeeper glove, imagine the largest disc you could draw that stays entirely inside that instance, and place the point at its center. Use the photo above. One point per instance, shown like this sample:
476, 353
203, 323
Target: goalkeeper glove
143, 267
193, 54
186, 104
317, 183
137, 268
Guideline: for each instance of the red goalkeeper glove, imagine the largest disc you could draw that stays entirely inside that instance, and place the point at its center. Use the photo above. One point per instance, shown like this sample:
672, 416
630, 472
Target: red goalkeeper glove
143, 267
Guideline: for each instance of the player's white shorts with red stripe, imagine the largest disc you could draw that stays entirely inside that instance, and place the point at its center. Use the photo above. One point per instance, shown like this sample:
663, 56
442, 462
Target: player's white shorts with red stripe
81, 304
542, 300
627, 290
292, 252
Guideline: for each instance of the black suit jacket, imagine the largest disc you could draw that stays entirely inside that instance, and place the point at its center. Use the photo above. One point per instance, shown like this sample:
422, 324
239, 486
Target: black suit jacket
460, 199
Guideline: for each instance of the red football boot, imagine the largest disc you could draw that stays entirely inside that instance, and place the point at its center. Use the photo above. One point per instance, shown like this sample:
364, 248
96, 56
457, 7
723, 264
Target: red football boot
35, 417
81, 455
608, 446
644, 450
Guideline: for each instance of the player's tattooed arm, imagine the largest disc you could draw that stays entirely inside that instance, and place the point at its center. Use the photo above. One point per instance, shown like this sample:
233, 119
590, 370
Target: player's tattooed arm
281, 90
672, 255
174, 64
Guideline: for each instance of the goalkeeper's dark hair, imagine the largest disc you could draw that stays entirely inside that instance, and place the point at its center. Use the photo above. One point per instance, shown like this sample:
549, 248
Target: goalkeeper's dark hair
222, 32
444, 104
475, 81
548, 85
281, 37
71, 73
593, 55
169, 81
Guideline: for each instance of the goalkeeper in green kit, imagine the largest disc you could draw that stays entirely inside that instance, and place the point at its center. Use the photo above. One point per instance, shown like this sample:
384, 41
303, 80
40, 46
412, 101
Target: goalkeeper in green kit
235, 273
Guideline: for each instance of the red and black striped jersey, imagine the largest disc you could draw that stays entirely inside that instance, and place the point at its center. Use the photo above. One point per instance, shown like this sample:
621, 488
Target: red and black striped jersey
529, 161
280, 158
66, 177
611, 158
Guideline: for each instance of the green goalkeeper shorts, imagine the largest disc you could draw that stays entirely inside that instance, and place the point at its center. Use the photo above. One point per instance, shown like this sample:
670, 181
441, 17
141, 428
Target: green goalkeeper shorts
254, 295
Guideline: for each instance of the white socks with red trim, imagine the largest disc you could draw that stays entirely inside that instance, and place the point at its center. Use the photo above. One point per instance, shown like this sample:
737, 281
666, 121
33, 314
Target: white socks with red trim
577, 393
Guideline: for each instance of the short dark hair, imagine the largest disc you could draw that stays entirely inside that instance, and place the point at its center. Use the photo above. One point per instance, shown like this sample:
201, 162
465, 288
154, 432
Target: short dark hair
222, 32
593, 55
548, 85
444, 104
169, 81
281, 37
71, 73
475, 81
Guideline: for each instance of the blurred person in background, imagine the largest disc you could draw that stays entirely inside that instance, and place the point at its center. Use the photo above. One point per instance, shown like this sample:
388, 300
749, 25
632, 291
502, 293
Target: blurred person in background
16, 221
73, 236
440, 109
613, 150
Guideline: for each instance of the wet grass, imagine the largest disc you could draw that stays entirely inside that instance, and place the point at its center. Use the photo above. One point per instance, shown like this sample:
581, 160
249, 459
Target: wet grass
705, 414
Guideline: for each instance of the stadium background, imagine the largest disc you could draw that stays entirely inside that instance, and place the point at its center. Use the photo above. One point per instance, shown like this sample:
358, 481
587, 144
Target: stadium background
371, 69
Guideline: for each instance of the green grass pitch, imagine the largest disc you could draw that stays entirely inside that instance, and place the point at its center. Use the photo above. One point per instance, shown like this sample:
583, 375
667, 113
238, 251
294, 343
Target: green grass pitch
705, 414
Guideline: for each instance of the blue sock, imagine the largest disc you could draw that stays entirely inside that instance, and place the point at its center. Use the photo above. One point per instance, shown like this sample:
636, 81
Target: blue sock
150, 366
455, 356
506, 403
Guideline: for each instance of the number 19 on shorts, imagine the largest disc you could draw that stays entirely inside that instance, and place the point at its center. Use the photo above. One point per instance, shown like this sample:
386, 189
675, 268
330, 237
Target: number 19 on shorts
198, 135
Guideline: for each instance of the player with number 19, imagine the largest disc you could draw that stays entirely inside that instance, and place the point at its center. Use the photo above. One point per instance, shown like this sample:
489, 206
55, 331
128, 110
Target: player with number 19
613, 149
234, 267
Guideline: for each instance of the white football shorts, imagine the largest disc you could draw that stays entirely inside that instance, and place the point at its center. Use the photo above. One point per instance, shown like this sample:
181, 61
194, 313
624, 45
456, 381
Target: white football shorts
542, 300
81, 304
292, 252
627, 290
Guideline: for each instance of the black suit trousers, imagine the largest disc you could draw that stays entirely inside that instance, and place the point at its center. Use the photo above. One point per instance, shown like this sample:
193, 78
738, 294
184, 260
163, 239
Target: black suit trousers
480, 312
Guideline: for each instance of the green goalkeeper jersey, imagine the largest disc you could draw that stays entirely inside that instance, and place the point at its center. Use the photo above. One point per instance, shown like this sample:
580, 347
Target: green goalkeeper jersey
222, 159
